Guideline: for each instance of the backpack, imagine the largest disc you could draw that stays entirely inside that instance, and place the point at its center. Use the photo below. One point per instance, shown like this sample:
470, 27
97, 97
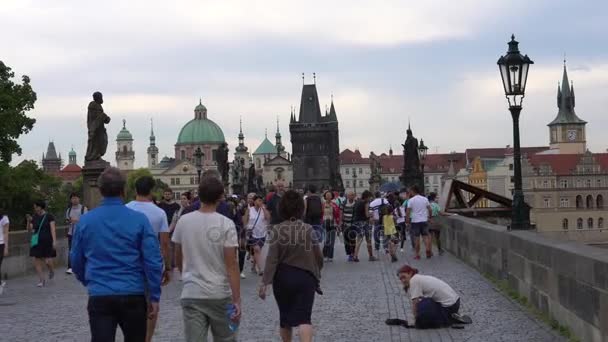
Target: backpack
314, 210
82, 208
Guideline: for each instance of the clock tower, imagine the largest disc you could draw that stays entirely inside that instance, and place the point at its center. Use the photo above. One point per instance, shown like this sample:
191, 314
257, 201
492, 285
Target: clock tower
567, 130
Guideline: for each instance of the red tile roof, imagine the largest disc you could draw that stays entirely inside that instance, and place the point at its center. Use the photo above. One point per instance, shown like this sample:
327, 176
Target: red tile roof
70, 173
565, 164
348, 157
433, 163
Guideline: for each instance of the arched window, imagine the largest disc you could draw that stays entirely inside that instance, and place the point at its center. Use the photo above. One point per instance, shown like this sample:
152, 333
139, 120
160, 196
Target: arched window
590, 223
589, 201
565, 224
588, 183
124, 148
258, 163
599, 202
579, 202
600, 222
579, 223
182, 154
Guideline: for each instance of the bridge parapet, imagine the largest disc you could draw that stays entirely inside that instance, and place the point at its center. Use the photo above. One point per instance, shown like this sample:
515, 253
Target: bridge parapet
566, 280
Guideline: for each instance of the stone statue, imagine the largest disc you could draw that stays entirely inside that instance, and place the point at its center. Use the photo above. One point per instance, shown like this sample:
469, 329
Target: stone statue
222, 162
411, 161
98, 138
260, 186
251, 179
236, 171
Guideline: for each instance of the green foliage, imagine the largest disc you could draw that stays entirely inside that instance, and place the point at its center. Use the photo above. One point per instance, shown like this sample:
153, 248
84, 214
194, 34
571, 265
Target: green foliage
134, 176
22, 185
15, 101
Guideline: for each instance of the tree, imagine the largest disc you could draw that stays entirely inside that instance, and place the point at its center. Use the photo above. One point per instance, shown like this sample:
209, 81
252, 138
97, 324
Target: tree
15, 101
134, 175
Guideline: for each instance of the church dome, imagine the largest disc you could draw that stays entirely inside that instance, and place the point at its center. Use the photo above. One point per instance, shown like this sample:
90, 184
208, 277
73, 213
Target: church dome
201, 130
72, 153
124, 133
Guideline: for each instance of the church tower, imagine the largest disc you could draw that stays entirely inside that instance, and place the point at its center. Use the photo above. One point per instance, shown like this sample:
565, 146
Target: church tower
152, 149
72, 157
125, 156
51, 163
315, 144
567, 130
241, 151
278, 143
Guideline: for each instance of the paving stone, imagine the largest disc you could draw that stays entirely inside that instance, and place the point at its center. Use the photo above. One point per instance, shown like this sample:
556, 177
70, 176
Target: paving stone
358, 299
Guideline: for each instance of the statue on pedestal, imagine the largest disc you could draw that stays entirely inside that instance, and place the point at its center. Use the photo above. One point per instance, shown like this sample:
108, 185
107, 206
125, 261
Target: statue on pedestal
251, 179
96, 120
222, 162
412, 172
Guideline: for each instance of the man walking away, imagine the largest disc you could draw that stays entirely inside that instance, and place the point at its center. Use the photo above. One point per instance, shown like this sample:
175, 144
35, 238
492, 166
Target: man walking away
72, 216
419, 214
313, 212
273, 203
349, 232
116, 238
207, 242
158, 220
376, 206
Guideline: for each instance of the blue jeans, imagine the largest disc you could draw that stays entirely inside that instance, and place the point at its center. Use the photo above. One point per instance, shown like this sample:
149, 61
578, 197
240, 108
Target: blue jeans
318, 233
379, 236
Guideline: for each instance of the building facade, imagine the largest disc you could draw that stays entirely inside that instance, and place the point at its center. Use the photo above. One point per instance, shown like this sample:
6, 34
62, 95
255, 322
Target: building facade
51, 162
315, 144
355, 170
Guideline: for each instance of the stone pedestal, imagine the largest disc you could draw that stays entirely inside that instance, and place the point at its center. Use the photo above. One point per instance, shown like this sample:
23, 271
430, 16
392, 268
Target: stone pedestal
90, 173
237, 189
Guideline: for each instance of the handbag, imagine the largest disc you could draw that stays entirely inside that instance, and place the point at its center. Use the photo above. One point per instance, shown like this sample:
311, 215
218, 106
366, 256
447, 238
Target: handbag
34, 240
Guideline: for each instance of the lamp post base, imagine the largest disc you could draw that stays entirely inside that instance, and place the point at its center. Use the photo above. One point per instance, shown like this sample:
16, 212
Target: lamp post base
520, 217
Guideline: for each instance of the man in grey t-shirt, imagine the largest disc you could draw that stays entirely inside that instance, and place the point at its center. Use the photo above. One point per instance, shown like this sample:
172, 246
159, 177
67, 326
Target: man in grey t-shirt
72, 216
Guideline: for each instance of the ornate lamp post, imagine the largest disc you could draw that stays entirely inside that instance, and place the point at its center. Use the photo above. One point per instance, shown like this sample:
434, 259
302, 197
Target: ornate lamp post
422, 150
355, 181
198, 162
514, 73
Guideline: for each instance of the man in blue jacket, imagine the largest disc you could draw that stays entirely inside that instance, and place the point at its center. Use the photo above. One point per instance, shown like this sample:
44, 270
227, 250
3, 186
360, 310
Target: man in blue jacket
116, 255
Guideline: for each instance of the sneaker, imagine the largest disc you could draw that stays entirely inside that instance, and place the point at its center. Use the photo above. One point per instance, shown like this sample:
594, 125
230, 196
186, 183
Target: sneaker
394, 258
350, 258
69, 271
429, 255
51, 275
356, 259
417, 257
330, 260
2, 283
40, 284
243, 276
401, 250
373, 258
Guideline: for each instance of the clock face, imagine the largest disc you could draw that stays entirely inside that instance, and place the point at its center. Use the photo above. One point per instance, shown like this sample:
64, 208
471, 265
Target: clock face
571, 135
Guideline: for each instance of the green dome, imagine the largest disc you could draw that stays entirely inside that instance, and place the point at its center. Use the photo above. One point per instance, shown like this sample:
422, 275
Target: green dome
200, 131
124, 133
266, 147
72, 153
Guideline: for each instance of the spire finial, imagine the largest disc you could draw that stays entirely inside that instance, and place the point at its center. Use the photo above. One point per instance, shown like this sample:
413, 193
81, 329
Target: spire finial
409, 126
512, 36
151, 127
200, 100
241, 124
332, 97
314, 77
277, 124
564, 59
124, 123
266, 133
303, 79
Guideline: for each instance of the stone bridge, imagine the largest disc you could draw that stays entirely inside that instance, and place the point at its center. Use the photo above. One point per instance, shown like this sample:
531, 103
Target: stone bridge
359, 297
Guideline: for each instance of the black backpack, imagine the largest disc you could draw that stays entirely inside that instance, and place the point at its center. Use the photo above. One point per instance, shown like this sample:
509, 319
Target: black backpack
314, 210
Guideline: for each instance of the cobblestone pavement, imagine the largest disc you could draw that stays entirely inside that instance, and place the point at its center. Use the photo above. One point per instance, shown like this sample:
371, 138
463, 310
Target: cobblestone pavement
358, 298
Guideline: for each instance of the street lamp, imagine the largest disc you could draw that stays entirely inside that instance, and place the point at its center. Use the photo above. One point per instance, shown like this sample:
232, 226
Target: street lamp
198, 162
422, 150
514, 73
355, 180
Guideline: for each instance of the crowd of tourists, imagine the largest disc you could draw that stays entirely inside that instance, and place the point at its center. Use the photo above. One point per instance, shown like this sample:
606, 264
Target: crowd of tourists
125, 253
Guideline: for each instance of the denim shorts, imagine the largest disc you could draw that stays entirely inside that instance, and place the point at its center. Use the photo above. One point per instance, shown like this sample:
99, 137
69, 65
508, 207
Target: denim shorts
419, 228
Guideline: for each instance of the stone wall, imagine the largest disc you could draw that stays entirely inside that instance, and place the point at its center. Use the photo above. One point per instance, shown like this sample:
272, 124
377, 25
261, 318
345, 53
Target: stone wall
19, 263
566, 280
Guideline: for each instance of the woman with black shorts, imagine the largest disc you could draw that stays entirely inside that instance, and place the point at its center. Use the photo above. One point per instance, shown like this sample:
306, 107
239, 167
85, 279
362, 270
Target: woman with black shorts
293, 267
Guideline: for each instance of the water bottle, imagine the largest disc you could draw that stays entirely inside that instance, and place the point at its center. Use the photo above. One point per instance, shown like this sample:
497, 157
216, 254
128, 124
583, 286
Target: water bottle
230, 310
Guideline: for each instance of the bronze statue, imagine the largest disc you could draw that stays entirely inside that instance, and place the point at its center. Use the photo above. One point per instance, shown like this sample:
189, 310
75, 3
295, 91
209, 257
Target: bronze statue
251, 179
222, 162
411, 161
236, 171
98, 138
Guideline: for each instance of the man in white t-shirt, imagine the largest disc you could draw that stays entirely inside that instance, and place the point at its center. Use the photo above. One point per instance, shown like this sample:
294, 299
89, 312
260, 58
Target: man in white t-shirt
158, 219
207, 243
419, 213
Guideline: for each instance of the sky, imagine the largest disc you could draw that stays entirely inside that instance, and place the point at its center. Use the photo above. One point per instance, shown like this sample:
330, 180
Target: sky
385, 62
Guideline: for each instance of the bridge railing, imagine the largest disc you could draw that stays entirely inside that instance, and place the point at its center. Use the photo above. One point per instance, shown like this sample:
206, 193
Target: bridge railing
566, 280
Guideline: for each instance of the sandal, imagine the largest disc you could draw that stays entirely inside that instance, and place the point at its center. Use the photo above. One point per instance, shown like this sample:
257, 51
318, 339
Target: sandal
397, 321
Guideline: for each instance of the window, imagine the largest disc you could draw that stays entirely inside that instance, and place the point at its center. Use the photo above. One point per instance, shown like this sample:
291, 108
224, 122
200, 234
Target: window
600, 222
360, 170
599, 202
590, 223
578, 183
589, 201
510, 167
178, 195
545, 184
347, 171
426, 179
258, 163
588, 183
191, 180
177, 181
565, 224
182, 154
579, 202
172, 181
564, 202
360, 183
348, 183
599, 183
512, 179
579, 223
547, 203
214, 155
124, 149
563, 183
354, 171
